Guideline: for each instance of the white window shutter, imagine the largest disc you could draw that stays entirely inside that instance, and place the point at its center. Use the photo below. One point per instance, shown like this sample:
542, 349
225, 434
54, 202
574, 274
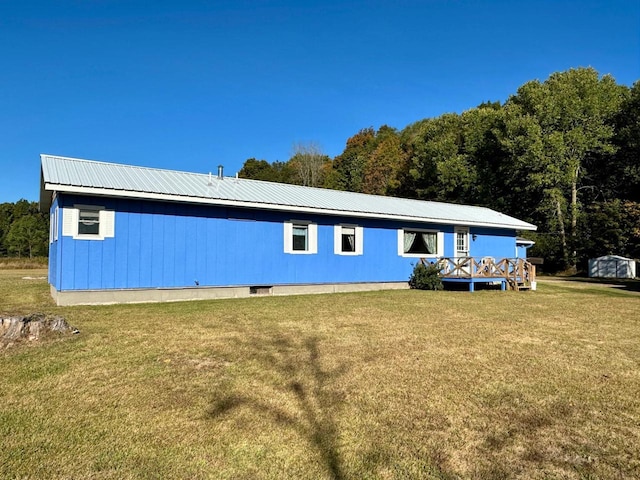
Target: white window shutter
400, 241
107, 223
288, 237
69, 222
440, 242
313, 238
337, 239
359, 240
56, 219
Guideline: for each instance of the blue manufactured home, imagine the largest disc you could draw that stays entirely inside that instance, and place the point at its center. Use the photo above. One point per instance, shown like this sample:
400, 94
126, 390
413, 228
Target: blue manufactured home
122, 233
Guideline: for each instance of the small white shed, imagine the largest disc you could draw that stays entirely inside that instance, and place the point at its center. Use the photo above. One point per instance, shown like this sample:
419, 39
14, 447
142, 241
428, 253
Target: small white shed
612, 266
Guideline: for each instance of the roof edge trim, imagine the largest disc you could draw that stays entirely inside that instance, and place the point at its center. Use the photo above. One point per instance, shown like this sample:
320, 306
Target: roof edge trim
104, 192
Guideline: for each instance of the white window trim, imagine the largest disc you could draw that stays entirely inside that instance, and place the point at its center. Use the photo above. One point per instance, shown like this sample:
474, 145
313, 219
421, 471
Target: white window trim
312, 245
70, 217
439, 240
56, 219
337, 239
51, 220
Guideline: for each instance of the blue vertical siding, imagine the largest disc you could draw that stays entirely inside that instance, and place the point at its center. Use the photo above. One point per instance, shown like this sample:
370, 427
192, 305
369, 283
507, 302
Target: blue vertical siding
492, 242
174, 245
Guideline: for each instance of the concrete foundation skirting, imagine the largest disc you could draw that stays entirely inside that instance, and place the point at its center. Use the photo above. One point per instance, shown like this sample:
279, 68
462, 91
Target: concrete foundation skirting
150, 295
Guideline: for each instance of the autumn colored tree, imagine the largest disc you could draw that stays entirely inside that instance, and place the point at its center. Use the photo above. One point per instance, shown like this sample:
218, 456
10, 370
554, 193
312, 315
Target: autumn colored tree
383, 164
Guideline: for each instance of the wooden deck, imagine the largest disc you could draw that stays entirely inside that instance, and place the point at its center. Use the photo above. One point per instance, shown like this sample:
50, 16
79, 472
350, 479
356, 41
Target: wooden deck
512, 273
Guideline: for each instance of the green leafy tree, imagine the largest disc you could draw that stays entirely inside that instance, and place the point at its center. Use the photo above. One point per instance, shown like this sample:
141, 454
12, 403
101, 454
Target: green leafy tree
256, 170
6, 217
624, 177
438, 167
23, 207
571, 116
280, 172
349, 166
482, 149
28, 236
609, 228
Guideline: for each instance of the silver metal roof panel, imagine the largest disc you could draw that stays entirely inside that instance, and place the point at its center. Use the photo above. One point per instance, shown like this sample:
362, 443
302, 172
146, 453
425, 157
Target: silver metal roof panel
90, 177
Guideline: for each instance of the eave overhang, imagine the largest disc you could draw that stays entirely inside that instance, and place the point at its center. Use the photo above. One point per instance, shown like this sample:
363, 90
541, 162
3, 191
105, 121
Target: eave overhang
45, 199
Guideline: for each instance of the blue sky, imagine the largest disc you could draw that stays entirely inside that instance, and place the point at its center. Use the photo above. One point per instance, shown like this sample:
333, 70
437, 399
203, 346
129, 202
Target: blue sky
190, 85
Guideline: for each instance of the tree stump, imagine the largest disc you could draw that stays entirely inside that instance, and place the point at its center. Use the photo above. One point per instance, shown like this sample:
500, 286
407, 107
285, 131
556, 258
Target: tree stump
32, 327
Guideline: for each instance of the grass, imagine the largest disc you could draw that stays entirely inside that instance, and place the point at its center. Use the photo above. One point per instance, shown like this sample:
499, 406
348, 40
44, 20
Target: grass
399, 384
23, 263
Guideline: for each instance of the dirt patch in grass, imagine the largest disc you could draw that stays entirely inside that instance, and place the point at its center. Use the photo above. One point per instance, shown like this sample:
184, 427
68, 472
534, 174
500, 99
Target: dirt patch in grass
401, 384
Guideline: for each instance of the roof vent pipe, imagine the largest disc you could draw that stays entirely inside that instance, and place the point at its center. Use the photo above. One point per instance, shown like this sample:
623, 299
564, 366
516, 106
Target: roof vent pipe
220, 172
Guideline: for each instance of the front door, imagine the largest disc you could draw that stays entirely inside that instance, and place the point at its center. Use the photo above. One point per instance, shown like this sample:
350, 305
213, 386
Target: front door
461, 249
462, 242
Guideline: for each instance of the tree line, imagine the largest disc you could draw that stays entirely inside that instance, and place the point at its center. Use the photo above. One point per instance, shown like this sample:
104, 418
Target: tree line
24, 231
562, 154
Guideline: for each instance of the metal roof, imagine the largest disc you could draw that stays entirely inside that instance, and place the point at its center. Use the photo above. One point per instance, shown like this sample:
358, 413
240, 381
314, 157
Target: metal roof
73, 175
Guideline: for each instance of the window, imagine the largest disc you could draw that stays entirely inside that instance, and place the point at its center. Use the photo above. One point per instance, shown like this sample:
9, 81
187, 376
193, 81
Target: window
85, 222
461, 242
53, 225
88, 221
347, 240
420, 243
300, 237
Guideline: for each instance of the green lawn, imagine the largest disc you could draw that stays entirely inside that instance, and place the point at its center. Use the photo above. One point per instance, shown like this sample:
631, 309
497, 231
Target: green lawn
399, 384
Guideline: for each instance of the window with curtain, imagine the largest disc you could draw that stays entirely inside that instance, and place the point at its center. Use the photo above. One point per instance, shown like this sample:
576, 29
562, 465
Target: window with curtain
416, 242
348, 239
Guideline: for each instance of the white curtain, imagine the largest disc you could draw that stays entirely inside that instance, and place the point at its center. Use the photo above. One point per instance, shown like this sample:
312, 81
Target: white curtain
429, 240
352, 242
409, 237
349, 233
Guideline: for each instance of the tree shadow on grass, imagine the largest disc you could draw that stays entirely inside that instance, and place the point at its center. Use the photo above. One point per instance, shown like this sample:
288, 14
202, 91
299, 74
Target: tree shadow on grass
615, 286
294, 369
524, 437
